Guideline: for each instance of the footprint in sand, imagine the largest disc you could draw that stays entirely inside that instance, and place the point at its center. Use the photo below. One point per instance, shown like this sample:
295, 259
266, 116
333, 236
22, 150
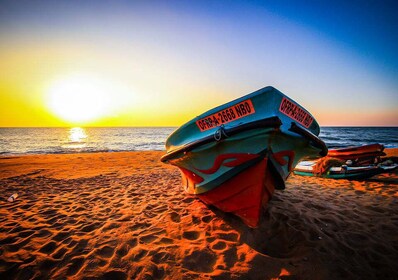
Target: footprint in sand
132, 242
195, 220
188, 200
230, 257
137, 257
114, 275
110, 226
42, 233
207, 218
157, 273
20, 243
75, 266
191, 235
220, 245
228, 236
48, 248
27, 272
166, 240
90, 227
106, 252
148, 238
162, 257
138, 226
200, 261
175, 217
122, 251
60, 253
47, 265
80, 246
26, 233
17, 229
9, 240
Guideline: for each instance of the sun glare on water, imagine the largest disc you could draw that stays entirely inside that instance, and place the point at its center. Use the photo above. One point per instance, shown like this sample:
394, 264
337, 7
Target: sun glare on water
80, 98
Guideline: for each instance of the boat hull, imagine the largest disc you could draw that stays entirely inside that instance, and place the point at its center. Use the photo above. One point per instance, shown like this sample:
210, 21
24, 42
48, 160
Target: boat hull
243, 194
239, 163
349, 173
360, 155
356, 151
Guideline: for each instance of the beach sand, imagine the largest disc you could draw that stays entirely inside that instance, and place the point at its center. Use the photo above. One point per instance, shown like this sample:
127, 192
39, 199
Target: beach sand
125, 215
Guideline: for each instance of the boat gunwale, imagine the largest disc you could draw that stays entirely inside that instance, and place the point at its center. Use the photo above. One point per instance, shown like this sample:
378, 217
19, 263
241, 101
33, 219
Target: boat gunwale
271, 122
314, 140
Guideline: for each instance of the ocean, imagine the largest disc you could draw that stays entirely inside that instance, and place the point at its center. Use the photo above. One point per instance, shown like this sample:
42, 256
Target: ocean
83, 140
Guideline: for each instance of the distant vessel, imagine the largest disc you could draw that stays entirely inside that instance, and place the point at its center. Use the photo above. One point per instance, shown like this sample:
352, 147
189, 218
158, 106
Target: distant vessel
235, 155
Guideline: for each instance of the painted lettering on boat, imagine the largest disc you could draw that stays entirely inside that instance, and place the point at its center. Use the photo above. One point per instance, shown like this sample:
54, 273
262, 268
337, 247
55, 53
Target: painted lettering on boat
295, 112
227, 115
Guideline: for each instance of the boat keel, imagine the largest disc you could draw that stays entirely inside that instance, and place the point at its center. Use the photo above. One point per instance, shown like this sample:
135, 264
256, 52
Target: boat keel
244, 194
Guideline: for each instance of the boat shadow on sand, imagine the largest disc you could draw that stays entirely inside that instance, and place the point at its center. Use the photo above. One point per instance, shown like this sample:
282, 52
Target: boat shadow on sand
336, 227
288, 228
384, 178
274, 237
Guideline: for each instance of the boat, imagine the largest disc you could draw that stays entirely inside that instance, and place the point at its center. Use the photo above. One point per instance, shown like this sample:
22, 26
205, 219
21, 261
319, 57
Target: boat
308, 168
353, 163
359, 155
235, 155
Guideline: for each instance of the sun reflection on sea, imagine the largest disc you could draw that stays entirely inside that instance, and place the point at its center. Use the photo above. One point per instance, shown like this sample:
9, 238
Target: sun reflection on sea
77, 138
77, 134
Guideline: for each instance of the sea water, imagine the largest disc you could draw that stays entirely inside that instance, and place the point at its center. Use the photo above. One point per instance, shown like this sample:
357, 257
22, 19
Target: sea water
338, 137
113, 139
82, 140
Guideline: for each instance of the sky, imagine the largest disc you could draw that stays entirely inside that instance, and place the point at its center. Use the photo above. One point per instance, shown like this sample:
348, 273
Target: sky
161, 63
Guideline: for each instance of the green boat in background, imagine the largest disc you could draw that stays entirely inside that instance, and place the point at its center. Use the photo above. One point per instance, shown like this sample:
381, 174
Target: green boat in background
305, 168
351, 163
235, 155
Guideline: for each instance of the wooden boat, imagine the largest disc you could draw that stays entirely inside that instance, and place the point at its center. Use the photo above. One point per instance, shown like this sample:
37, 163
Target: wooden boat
359, 155
355, 163
307, 168
235, 155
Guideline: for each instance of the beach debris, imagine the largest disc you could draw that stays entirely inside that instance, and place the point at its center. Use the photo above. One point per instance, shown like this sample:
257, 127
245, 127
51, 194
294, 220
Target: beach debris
13, 197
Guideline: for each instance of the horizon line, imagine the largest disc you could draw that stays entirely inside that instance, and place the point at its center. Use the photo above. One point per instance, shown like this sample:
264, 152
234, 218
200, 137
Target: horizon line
173, 126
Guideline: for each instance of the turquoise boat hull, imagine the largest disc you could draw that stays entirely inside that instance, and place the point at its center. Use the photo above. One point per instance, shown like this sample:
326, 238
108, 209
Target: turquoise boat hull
264, 128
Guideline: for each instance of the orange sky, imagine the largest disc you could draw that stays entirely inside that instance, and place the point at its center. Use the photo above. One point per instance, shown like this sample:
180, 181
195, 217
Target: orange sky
61, 65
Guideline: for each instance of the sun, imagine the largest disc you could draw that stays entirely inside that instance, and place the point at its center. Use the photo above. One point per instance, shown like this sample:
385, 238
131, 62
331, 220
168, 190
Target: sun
80, 98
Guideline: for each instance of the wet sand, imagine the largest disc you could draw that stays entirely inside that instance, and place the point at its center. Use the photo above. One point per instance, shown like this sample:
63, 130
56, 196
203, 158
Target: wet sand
124, 215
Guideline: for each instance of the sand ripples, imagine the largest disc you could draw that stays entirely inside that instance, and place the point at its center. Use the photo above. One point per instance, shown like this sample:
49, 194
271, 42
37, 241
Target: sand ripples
133, 221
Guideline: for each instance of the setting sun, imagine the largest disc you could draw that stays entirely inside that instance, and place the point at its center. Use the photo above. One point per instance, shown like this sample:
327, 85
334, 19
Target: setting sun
80, 98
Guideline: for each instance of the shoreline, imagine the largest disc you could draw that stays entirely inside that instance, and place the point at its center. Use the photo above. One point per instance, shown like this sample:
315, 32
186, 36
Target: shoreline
389, 151
125, 214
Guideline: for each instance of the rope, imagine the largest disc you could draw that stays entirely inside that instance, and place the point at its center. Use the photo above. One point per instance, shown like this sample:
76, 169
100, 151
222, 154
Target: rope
220, 133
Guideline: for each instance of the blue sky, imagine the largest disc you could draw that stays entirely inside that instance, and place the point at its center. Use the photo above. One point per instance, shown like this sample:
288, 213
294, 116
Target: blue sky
336, 58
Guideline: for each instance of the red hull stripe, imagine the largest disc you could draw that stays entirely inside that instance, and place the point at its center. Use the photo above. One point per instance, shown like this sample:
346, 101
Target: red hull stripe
237, 159
195, 178
279, 158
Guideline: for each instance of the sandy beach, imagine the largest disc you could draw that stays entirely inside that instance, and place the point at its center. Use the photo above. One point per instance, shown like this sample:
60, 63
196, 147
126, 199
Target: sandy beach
124, 215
